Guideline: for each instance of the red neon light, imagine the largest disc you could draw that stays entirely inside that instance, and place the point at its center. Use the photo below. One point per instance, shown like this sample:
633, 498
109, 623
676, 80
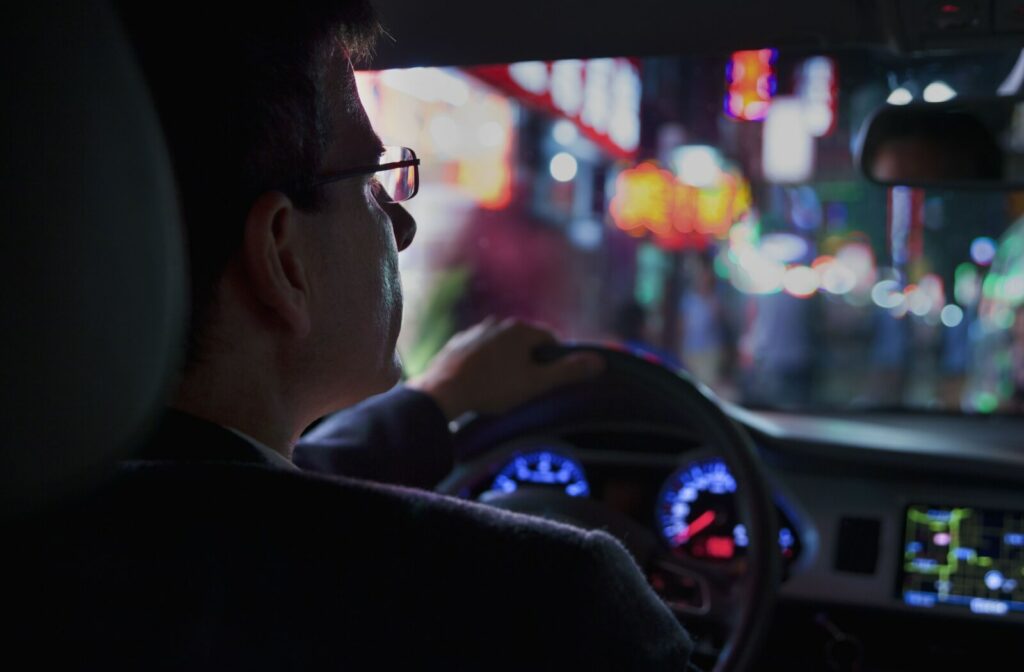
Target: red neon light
950, 9
750, 84
721, 547
581, 114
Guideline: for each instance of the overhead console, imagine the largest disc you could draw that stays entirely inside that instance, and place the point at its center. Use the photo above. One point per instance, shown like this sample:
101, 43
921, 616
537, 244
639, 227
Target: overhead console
930, 24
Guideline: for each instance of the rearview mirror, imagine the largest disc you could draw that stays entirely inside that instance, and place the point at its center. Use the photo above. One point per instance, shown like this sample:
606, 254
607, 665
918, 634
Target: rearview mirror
970, 144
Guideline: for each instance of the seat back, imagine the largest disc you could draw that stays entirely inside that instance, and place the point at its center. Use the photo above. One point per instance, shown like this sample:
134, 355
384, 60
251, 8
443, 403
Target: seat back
93, 288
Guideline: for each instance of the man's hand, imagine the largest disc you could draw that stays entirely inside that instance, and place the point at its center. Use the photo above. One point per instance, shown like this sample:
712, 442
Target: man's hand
490, 368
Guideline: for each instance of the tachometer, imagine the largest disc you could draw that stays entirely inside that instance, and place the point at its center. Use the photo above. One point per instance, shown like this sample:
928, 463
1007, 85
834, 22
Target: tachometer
543, 468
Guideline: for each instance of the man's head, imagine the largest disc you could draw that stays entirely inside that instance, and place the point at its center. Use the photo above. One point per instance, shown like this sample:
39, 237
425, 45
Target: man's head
256, 105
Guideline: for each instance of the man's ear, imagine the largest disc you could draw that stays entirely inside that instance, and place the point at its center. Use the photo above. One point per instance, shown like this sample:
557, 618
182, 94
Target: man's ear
273, 262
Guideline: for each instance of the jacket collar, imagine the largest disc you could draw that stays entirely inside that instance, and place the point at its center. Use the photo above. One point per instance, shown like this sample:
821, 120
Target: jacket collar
181, 437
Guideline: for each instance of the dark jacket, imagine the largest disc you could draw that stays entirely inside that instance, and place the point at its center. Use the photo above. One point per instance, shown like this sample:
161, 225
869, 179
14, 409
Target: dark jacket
400, 437
203, 555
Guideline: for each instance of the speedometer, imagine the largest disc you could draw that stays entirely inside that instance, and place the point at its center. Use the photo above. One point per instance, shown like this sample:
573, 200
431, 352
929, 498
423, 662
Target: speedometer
696, 511
697, 514
542, 468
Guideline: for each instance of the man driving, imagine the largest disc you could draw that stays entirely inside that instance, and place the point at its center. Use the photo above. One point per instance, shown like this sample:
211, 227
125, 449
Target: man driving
294, 223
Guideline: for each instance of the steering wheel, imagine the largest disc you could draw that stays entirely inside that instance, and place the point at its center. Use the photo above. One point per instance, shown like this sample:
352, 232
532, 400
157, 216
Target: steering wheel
742, 601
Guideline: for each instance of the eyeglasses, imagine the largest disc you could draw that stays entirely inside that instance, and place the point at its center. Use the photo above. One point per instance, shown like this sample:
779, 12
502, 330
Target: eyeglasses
398, 174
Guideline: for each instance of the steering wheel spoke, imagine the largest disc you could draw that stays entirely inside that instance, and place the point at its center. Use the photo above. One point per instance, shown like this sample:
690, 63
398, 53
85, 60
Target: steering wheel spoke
698, 589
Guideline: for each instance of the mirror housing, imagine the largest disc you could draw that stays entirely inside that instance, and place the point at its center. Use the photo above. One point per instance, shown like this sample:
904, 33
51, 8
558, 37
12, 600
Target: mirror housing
962, 144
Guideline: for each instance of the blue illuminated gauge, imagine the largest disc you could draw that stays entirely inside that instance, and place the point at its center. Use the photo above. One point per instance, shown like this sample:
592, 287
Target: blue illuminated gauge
696, 511
697, 515
542, 468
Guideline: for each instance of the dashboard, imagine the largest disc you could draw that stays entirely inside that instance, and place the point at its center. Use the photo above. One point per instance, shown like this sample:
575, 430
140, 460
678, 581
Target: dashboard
898, 514
689, 505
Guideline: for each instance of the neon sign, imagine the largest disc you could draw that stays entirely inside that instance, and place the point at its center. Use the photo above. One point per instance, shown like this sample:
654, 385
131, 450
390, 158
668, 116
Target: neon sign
652, 201
643, 201
601, 97
818, 87
750, 84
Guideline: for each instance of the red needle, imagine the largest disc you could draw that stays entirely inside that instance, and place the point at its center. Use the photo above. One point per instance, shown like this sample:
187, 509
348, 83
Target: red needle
694, 528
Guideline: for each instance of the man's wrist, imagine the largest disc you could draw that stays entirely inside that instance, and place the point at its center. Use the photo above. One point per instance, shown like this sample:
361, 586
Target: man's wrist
443, 395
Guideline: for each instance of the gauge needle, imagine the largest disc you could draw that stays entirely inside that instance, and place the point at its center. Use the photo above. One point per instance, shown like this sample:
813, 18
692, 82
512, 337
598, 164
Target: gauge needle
694, 528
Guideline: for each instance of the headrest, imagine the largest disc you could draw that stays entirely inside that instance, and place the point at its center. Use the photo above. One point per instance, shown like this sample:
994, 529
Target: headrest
93, 284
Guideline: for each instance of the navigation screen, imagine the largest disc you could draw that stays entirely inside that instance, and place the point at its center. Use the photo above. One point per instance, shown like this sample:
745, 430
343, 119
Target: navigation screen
966, 557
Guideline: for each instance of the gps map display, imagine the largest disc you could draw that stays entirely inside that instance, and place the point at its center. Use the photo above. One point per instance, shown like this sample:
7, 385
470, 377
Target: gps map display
965, 557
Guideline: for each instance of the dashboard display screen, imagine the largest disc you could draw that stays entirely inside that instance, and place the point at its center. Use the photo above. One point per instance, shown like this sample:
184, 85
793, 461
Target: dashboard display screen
964, 557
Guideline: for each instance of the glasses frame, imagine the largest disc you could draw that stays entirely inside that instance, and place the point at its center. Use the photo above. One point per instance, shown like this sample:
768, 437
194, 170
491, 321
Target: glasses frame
358, 171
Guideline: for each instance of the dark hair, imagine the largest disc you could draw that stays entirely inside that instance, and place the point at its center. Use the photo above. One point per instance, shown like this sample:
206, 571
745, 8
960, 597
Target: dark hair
240, 92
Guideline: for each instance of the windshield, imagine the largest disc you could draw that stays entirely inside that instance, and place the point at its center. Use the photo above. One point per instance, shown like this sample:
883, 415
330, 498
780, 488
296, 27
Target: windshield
707, 210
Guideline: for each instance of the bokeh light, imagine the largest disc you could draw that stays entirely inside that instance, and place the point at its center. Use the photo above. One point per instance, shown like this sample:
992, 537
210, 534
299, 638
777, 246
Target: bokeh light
564, 167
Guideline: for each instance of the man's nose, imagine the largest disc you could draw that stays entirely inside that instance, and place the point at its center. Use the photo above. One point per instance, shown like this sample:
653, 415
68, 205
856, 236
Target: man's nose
403, 223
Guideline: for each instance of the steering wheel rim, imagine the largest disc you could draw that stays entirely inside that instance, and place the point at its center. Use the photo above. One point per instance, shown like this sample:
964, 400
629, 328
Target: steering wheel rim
696, 405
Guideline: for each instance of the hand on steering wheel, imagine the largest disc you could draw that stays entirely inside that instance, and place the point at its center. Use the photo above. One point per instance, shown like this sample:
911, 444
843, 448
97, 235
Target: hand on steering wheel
743, 601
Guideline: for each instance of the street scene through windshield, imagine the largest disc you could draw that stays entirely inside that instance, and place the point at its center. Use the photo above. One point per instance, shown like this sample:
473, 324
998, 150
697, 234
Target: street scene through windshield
708, 211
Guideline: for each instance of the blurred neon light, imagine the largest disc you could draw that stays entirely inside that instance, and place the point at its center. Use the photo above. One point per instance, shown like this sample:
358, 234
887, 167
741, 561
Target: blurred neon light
750, 84
932, 287
431, 85
563, 167
859, 258
489, 181
532, 76
788, 154
745, 234
784, 247
1013, 289
836, 277
887, 294
697, 165
906, 224
822, 262
446, 134
463, 130
586, 234
650, 200
758, 274
717, 207
564, 132
642, 201
601, 97
492, 134
983, 250
818, 87
567, 86
800, 281
986, 402
952, 315
918, 301
967, 284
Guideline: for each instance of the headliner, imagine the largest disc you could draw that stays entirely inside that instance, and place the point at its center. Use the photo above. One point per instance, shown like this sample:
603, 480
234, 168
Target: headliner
464, 32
